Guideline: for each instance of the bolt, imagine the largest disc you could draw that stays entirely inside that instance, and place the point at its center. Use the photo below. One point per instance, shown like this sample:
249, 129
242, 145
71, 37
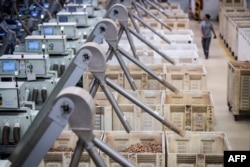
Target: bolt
116, 12
102, 29
65, 108
86, 56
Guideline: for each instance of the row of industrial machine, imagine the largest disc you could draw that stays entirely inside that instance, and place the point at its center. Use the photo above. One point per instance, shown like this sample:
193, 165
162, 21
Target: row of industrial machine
50, 47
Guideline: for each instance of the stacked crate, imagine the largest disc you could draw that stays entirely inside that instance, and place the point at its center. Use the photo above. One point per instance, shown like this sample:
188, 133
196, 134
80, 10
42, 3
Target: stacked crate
232, 21
232, 3
61, 152
243, 44
196, 149
238, 88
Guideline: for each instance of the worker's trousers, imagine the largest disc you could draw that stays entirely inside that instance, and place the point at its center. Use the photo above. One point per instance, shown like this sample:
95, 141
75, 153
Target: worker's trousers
205, 45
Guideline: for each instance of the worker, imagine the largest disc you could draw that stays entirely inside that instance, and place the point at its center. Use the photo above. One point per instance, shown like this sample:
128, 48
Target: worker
206, 29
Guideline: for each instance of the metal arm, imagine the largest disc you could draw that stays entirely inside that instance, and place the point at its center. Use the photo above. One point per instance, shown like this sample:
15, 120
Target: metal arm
119, 12
67, 108
74, 72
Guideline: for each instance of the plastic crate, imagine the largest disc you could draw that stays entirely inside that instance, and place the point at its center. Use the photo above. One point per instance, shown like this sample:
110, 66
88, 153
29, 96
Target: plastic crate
224, 12
196, 149
186, 69
192, 111
67, 140
138, 119
176, 22
187, 76
228, 32
187, 81
190, 98
103, 117
225, 16
182, 56
235, 26
243, 44
177, 46
117, 77
144, 81
149, 97
119, 141
238, 87
157, 68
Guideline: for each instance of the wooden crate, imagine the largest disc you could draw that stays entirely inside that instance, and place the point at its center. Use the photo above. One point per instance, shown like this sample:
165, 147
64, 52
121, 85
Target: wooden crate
190, 111
138, 119
120, 140
196, 149
238, 87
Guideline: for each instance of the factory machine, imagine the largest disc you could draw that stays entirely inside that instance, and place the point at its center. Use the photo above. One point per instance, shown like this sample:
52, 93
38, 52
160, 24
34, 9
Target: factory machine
87, 8
33, 71
55, 28
55, 112
15, 117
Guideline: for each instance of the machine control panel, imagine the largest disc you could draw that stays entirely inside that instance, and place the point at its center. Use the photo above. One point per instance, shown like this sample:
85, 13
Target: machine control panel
80, 18
50, 44
55, 28
9, 95
24, 65
80, 8
86, 2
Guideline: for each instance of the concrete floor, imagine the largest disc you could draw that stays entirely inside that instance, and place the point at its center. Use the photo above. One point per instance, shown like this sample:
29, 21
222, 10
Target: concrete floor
238, 132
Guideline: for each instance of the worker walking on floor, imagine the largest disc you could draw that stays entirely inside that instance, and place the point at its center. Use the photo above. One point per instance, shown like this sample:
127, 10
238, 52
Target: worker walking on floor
206, 29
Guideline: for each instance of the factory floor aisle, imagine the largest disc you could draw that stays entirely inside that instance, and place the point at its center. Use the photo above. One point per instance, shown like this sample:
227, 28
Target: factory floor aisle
238, 132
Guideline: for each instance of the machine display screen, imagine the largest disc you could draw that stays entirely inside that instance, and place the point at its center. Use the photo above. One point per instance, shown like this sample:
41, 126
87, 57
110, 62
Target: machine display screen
72, 9
46, 5
48, 30
79, 1
9, 66
63, 19
34, 45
